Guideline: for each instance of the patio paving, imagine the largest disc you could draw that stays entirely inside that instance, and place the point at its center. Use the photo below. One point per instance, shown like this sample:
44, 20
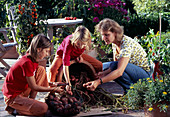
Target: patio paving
111, 87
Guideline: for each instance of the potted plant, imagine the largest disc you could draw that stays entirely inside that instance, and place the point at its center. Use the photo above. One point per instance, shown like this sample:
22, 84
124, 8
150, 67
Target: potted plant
151, 95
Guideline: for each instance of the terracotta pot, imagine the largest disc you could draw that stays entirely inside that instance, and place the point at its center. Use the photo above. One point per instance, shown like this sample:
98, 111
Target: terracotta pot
156, 112
84, 66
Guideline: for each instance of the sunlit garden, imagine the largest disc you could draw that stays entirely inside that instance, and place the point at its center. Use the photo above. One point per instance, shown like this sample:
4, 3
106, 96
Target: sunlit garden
146, 21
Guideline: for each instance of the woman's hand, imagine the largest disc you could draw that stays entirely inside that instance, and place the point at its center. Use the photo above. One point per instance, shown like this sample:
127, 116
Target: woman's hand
91, 85
68, 89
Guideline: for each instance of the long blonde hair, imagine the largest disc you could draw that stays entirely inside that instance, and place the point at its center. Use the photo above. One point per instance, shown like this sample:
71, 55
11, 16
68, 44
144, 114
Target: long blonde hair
112, 26
81, 34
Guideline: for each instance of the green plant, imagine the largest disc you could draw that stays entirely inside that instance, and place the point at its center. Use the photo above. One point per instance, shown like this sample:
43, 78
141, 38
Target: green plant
145, 93
29, 23
157, 49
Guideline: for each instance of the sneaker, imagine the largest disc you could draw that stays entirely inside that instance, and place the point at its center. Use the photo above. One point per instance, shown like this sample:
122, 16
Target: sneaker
9, 109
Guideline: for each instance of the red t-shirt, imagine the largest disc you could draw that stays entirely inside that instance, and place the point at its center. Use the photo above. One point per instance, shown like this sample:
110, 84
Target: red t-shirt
68, 52
15, 82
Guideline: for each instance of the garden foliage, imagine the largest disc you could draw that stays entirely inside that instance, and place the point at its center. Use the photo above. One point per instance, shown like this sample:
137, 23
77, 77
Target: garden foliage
146, 93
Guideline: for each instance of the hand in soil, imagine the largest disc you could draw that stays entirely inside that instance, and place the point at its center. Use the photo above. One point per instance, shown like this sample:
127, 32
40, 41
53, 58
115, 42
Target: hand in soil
58, 89
68, 89
91, 85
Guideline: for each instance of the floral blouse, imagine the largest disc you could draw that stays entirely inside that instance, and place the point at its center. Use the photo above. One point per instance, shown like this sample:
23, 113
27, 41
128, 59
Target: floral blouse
132, 49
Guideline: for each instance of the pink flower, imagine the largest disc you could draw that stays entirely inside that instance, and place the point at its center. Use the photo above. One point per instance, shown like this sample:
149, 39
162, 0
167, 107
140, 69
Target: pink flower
100, 11
96, 19
124, 4
127, 18
125, 11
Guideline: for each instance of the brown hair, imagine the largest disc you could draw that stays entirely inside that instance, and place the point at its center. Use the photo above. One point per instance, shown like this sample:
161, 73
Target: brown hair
81, 34
110, 25
39, 41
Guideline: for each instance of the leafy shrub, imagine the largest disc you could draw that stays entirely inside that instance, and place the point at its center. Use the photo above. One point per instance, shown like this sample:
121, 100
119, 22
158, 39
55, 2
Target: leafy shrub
146, 93
157, 49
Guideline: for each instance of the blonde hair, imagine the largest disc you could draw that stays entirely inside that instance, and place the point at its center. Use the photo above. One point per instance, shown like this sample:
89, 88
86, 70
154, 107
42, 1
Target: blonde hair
112, 26
39, 41
81, 34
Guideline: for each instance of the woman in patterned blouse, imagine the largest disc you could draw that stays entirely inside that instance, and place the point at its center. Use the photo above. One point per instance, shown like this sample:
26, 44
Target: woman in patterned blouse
129, 59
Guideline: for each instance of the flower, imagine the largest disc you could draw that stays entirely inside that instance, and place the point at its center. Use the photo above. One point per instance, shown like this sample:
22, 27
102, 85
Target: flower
147, 79
96, 19
150, 109
131, 87
160, 80
165, 93
148, 93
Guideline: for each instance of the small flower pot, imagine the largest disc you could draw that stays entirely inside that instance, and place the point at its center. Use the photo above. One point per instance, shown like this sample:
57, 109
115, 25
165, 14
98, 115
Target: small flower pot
156, 112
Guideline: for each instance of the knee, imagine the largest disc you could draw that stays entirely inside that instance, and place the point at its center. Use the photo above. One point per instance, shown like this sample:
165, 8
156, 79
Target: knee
44, 109
53, 70
39, 109
113, 65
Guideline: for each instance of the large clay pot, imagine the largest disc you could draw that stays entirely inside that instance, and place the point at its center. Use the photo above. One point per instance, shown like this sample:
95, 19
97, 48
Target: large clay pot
84, 66
156, 112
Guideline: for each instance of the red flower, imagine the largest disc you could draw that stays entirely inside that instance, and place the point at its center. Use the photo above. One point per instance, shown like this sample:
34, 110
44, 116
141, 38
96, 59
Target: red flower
19, 7
150, 50
31, 35
100, 11
96, 19
153, 54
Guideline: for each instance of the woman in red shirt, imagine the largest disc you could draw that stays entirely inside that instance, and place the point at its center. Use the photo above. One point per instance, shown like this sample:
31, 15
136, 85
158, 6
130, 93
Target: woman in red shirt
25, 78
71, 50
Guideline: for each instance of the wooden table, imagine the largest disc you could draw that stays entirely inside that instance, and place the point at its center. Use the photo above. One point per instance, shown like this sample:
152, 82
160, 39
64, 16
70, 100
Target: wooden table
59, 23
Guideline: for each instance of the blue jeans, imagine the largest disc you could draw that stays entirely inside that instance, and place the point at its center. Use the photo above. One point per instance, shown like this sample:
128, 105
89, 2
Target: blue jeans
130, 76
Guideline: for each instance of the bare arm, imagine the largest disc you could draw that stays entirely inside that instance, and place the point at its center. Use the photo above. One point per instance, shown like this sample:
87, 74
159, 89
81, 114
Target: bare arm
32, 84
122, 63
67, 78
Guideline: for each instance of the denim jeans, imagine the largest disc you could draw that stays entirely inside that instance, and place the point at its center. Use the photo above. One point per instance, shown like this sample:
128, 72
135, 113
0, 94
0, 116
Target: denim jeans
130, 76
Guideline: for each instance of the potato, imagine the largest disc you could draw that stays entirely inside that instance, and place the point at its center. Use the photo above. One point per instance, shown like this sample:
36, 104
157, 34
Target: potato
56, 98
67, 106
70, 100
74, 99
60, 110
